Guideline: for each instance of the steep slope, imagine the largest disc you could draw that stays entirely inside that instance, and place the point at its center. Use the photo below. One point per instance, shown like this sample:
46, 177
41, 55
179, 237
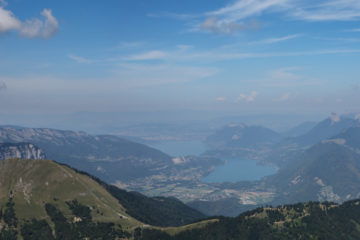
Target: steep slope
288, 150
300, 129
20, 150
239, 140
108, 157
32, 183
241, 136
329, 170
325, 129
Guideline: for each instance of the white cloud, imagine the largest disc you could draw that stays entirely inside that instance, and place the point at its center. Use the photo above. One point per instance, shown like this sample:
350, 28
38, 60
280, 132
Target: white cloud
231, 18
213, 24
79, 59
8, 21
220, 99
152, 55
354, 30
172, 15
227, 55
242, 9
183, 47
277, 40
288, 78
247, 97
216, 25
30, 28
283, 74
333, 10
129, 45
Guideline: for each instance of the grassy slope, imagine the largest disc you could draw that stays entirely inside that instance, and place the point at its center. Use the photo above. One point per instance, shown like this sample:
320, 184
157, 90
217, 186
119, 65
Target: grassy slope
36, 182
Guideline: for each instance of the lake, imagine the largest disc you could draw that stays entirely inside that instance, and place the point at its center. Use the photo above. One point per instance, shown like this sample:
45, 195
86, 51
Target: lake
234, 170
239, 170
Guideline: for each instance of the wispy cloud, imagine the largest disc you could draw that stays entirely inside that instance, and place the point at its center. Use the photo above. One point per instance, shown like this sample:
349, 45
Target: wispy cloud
79, 59
183, 47
129, 45
151, 55
353, 30
284, 74
247, 97
233, 17
216, 25
30, 28
217, 55
178, 16
333, 10
220, 99
287, 78
276, 40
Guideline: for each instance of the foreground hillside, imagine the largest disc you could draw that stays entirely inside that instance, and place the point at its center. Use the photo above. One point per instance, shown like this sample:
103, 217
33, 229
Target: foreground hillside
40, 199
56, 195
312, 220
32, 183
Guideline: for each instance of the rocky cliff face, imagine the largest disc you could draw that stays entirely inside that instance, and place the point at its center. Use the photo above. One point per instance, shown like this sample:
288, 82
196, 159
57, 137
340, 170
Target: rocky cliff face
20, 150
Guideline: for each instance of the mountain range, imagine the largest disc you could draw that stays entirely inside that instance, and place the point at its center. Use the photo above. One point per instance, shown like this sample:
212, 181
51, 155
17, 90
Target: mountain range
109, 157
61, 201
330, 170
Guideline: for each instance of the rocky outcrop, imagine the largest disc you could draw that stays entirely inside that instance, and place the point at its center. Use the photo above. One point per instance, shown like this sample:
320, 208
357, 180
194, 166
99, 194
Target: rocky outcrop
20, 150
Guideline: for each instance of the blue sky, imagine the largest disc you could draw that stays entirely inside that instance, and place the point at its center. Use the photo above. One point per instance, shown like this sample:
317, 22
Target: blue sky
282, 56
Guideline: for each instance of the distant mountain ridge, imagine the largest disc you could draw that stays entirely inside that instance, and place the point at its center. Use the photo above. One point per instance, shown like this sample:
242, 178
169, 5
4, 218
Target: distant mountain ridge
241, 135
330, 170
108, 157
325, 129
299, 129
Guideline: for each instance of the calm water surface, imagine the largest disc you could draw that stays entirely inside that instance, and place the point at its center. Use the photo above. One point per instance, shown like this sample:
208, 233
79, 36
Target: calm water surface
239, 170
234, 170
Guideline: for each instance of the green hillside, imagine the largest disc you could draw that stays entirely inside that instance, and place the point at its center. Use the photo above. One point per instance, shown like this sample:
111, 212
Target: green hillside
53, 194
33, 183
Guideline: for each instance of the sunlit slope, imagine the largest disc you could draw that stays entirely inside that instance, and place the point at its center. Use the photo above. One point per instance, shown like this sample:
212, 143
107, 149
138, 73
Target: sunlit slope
32, 183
